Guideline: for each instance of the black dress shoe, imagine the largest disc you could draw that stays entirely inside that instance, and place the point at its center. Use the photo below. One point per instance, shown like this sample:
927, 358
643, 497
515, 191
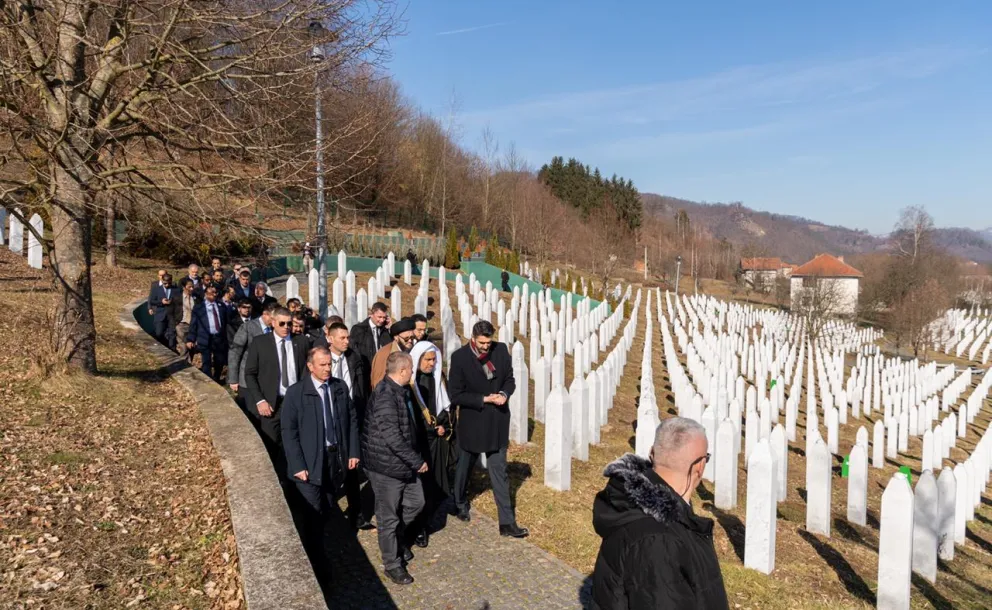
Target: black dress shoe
513, 530
406, 554
363, 524
422, 539
399, 576
464, 515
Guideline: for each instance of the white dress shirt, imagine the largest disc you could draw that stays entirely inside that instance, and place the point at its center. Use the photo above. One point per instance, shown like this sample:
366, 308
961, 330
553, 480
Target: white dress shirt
339, 368
211, 321
290, 362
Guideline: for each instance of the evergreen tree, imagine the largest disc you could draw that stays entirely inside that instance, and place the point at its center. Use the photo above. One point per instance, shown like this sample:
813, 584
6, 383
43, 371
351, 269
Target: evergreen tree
473, 239
451, 258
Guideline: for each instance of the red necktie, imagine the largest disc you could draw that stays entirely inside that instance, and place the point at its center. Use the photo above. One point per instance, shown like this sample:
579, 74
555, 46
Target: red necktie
213, 310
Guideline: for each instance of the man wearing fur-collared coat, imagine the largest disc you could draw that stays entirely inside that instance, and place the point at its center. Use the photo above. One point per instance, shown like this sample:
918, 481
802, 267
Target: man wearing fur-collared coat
656, 552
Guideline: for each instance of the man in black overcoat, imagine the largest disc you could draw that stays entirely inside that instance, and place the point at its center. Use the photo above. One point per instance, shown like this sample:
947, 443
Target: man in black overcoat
321, 440
480, 382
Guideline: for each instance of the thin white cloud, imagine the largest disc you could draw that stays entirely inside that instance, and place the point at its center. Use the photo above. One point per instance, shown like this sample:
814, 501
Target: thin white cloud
475, 28
745, 88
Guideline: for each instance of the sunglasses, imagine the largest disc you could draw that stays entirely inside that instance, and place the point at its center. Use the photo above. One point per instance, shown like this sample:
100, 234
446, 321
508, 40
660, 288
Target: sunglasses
282, 324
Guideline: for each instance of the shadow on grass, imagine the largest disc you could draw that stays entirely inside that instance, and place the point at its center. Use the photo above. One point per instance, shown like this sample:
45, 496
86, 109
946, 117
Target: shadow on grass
938, 601
854, 584
733, 527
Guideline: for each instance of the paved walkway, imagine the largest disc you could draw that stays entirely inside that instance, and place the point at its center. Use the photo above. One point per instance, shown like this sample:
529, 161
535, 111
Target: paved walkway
468, 566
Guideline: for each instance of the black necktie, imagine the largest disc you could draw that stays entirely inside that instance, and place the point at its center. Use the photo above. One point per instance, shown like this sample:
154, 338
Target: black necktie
330, 430
375, 335
285, 369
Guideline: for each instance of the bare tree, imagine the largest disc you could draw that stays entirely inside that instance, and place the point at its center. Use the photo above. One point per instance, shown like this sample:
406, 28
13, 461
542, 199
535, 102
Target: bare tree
490, 148
162, 102
914, 232
817, 301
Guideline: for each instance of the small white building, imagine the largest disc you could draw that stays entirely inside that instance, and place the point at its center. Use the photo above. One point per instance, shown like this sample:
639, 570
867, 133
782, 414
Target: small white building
762, 273
827, 284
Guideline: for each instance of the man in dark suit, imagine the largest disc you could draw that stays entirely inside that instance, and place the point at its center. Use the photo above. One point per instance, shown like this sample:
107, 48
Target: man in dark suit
241, 315
208, 333
160, 299
275, 361
346, 365
480, 383
261, 299
243, 286
321, 442
371, 334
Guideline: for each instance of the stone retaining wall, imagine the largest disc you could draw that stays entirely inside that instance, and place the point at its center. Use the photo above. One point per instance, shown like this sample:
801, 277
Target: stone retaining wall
275, 571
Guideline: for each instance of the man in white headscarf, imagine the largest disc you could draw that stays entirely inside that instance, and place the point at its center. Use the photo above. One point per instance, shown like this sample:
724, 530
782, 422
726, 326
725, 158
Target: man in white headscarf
435, 425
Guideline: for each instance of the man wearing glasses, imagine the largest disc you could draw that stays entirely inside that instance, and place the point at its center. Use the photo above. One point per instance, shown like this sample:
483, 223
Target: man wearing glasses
274, 362
656, 553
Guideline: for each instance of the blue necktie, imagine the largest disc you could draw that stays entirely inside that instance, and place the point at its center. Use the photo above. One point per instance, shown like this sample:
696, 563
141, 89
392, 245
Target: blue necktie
330, 432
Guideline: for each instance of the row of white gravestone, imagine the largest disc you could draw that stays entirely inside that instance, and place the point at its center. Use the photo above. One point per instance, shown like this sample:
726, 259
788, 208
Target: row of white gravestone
759, 548
573, 417
15, 236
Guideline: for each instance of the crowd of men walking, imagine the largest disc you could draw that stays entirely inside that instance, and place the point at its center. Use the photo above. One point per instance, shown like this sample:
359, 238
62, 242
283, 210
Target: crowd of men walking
368, 413
340, 409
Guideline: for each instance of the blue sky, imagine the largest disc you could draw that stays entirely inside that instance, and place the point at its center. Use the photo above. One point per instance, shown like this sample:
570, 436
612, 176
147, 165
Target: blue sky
843, 112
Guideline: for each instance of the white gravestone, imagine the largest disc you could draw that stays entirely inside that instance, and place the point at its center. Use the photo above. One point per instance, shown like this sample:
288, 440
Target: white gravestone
292, 288
396, 302
726, 464
313, 288
818, 487
780, 455
519, 399
961, 502
926, 506
408, 272
857, 486
342, 264
16, 234
558, 441
759, 534
579, 395
947, 491
895, 545
34, 245
878, 445
541, 388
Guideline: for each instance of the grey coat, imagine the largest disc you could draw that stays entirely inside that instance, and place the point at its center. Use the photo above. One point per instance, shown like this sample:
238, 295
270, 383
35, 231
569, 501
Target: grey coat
239, 348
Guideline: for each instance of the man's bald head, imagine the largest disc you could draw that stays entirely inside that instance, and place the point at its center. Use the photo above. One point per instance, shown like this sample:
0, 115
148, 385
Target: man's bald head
678, 442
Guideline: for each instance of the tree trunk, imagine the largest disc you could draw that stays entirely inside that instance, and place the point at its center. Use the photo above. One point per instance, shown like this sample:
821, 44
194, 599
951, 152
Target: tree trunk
71, 256
111, 232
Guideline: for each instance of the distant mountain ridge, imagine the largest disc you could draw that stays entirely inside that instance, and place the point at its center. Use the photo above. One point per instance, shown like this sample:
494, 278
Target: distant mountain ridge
796, 239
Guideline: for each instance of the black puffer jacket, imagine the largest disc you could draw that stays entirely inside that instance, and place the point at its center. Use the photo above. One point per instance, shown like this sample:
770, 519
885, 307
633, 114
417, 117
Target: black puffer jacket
656, 552
389, 442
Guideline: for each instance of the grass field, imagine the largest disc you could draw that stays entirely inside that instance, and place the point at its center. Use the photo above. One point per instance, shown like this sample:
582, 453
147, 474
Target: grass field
111, 495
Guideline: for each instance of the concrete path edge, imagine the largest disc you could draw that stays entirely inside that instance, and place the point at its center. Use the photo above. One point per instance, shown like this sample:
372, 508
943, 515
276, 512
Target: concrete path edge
275, 571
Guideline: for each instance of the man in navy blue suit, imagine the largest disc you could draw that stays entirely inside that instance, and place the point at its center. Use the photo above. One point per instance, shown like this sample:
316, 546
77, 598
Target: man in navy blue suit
208, 333
320, 438
160, 299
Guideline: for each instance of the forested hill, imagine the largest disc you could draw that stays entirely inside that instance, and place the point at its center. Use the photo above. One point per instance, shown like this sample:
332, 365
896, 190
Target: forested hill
797, 239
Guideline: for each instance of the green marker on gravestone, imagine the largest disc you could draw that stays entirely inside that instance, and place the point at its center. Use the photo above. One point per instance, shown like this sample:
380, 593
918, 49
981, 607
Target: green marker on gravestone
909, 473
846, 467
771, 384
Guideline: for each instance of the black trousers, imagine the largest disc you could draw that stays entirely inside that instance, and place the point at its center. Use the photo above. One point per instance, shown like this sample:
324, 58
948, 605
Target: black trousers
317, 503
213, 359
496, 463
270, 430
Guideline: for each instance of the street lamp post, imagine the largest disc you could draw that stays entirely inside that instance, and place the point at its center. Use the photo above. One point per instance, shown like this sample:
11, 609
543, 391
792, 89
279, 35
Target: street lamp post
317, 57
678, 273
